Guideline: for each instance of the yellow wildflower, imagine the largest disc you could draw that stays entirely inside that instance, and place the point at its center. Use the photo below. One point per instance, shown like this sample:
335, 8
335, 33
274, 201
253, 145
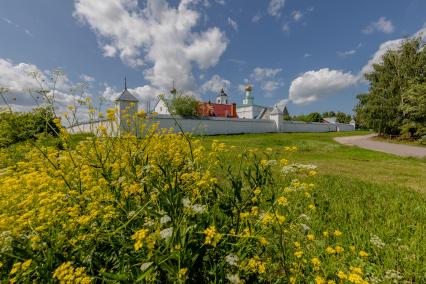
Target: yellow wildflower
319, 280
212, 236
26, 264
357, 270
339, 249
263, 241
341, 275
139, 237
310, 237
298, 254
182, 272
363, 254
337, 233
257, 191
282, 201
316, 262
330, 250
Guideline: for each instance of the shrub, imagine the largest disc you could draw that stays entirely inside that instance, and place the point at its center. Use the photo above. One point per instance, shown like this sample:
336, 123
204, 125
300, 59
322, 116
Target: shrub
162, 209
17, 127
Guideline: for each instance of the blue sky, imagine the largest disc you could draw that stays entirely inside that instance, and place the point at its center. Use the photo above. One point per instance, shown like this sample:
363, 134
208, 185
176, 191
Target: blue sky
312, 53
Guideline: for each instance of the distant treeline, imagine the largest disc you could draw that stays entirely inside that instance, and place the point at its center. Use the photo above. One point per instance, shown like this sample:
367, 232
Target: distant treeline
318, 117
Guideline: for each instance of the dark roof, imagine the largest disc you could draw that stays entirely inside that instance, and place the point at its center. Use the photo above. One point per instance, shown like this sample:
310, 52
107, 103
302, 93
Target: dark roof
222, 93
127, 96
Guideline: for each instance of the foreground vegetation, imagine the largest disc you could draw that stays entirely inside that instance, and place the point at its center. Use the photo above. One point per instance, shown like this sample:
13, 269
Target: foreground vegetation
155, 209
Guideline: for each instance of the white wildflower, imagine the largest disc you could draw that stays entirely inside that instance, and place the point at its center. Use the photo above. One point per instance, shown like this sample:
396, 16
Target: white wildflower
198, 209
146, 265
6, 240
375, 240
305, 227
166, 233
234, 278
392, 276
232, 259
186, 202
165, 219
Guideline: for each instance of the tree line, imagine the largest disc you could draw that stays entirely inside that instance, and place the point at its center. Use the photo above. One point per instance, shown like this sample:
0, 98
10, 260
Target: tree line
395, 103
341, 117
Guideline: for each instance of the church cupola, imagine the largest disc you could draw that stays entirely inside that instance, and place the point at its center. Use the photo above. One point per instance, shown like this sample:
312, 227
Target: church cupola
222, 98
249, 98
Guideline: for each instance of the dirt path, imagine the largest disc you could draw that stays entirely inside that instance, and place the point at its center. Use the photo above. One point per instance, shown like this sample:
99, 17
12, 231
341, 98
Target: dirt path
366, 142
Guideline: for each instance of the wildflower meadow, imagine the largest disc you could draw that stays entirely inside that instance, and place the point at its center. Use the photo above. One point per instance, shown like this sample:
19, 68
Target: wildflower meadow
165, 207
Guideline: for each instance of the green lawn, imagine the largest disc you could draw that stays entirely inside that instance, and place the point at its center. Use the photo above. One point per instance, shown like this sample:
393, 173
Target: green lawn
335, 159
363, 193
360, 192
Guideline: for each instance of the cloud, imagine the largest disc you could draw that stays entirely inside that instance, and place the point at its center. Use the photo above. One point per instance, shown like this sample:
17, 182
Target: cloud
346, 53
18, 79
87, 78
286, 27
314, 85
267, 78
386, 46
296, 15
160, 38
17, 26
275, 7
306, 55
220, 2
256, 18
147, 95
215, 84
233, 24
262, 73
381, 25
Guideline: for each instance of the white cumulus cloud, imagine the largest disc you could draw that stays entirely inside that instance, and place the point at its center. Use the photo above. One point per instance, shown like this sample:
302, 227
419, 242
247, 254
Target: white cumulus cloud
314, 85
381, 25
158, 37
267, 78
215, 84
22, 87
233, 24
275, 7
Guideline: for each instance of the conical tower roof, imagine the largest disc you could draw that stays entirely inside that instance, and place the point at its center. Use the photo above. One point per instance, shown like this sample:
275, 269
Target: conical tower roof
126, 95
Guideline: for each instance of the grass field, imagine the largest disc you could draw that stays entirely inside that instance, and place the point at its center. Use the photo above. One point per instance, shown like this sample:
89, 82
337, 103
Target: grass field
365, 194
362, 192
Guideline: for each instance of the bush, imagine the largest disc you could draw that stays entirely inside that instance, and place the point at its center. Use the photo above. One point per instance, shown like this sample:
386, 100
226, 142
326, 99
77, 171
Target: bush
17, 127
164, 208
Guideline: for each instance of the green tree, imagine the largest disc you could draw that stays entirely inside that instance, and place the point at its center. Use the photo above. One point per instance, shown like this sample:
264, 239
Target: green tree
342, 117
414, 109
185, 106
382, 108
314, 117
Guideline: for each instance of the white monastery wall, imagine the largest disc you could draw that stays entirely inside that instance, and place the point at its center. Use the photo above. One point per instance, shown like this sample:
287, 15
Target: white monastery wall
218, 125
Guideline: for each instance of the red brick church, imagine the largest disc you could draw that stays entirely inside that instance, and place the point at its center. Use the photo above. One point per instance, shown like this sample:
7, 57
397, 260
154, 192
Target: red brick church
221, 108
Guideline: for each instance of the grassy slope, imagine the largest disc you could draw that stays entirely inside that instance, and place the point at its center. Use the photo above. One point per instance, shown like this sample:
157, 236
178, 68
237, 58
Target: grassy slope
362, 193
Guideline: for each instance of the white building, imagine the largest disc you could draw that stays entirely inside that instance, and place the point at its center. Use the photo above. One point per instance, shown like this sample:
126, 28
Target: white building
251, 111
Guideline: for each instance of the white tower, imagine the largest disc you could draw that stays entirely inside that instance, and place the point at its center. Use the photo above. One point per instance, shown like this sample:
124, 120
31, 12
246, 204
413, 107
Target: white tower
128, 106
249, 98
222, 98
